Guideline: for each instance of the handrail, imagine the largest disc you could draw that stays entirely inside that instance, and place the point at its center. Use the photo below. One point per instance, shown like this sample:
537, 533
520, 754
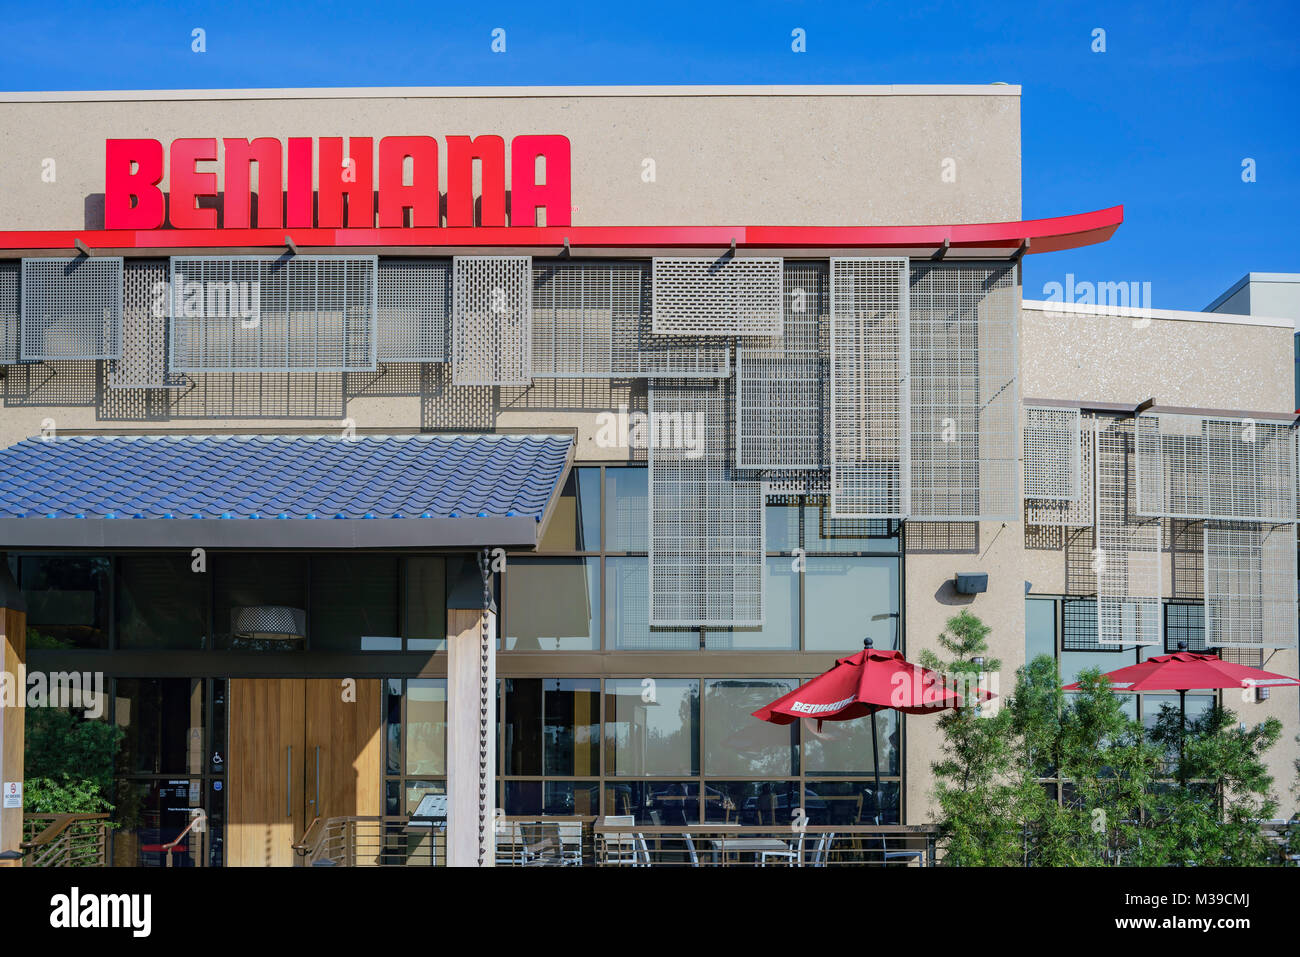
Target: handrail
60, 824
301, 847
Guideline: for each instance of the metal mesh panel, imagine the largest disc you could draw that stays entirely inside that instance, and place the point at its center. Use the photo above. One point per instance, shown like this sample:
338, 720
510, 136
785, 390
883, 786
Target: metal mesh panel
592, 319
10, 311
1185, 623
780, 387
1226, 469
1250, 585
717, 297
71, 308
492, 315
1128, 558
869, 389
1081, 512
965, 431
414, 310
143, 364
273, 314
707, 530
1053, 458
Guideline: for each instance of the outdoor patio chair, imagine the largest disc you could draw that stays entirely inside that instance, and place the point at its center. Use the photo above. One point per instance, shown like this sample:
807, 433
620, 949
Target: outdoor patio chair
628, 849
821, 850
570, 834
791, 855
690, 849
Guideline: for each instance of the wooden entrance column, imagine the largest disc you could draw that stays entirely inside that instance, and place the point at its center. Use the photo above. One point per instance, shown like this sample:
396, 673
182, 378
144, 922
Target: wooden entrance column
13, 658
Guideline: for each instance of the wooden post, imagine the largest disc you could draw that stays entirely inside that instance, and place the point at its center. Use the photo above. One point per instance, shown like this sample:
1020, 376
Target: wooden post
471, 721
13, 657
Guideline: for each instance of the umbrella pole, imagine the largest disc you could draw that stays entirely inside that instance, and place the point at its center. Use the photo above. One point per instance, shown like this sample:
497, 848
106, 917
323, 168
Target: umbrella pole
1182, 733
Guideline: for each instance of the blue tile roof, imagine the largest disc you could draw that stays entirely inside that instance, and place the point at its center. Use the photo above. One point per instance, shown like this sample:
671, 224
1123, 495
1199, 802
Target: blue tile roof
281, 476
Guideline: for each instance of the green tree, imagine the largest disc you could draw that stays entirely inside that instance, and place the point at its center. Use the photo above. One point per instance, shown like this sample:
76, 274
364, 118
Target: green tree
68, 762
974, 789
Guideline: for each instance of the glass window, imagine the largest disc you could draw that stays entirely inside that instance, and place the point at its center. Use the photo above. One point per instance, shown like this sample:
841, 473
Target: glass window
424, 601
558, 798
848, 599
67, 601
354, 603
849, 802
574, 524
1185, 623
627, 611
150, 814
843, 748
825, 534
1074, 663
652, 726
552, 604
782, 527
755, 803
626, 504
261, 598
426, 726
737, 743
1040, 628
551, 726
655, 803
163, 723
780, 630
161, 602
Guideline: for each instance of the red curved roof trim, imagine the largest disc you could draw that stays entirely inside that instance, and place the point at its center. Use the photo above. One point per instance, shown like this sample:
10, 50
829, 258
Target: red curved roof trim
1045, 235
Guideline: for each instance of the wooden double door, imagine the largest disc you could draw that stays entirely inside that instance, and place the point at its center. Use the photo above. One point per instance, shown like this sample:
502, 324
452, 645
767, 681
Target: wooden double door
300, 748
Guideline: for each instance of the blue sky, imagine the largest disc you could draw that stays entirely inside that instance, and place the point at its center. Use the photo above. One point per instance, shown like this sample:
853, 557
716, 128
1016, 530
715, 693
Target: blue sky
1160, 122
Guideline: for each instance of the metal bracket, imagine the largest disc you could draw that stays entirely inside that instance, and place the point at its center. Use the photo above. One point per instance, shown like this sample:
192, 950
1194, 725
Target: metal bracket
942, 250
293, 247
1019, 254
83, 248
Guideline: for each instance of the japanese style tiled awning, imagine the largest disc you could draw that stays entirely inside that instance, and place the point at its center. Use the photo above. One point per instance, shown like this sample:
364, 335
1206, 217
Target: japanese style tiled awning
280, 491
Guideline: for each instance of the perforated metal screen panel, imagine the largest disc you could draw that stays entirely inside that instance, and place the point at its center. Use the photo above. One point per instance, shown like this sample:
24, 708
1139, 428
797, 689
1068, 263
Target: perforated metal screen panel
71, 308
1053, 459
273, 313
717, 297
143, 364
414, 318
1224, 469
1128, 559
592, 320
963, 322
706, 528
1082, 511
10, 311
781, 400
492, 320
1250, 585
869, 388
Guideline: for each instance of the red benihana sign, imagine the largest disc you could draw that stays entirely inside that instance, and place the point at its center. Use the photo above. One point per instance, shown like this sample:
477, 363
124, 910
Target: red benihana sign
346, 193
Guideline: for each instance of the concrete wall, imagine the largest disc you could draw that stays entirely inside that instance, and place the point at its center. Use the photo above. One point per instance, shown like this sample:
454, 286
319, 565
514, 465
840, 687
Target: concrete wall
725, 156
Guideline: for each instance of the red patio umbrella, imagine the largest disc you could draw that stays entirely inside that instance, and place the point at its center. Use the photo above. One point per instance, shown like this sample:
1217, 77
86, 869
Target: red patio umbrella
1184, 671
863, 684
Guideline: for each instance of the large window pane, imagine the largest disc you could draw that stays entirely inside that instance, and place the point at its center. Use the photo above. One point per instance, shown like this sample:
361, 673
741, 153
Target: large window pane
424, 600
657, 803
652, 726
850, 802
555, 798
551, 726
426, 726
258, 599
626, 501
163, 723
782, 527
766, 803
575, 522
552, 604
1040, 628
1074, 663
843, 748
780, 630
149, 814
67, 601
848, 599
737, 743
161, 602
821, 533
627, 611
354, 603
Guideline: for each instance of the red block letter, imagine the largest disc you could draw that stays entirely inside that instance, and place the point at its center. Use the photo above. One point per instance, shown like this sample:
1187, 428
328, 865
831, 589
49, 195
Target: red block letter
300, 191
526, 194
356, 180
239, 154
462, 151
187, 184
421, 197
132, 199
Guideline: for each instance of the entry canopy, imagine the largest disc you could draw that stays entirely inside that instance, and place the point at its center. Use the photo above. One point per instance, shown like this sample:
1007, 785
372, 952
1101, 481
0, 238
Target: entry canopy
280, 491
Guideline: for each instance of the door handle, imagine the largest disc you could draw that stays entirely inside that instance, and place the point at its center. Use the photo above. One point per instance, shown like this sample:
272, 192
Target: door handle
288, 784
316, 803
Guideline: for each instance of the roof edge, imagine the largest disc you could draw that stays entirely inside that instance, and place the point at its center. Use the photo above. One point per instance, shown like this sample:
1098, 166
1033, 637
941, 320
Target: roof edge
1176, 315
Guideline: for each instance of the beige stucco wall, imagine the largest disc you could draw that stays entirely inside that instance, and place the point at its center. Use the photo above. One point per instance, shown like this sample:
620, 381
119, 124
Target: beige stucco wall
728, 158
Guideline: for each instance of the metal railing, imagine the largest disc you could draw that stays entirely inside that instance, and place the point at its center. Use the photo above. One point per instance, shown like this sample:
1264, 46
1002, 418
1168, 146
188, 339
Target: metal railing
717, 845
65, 840
381, 841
